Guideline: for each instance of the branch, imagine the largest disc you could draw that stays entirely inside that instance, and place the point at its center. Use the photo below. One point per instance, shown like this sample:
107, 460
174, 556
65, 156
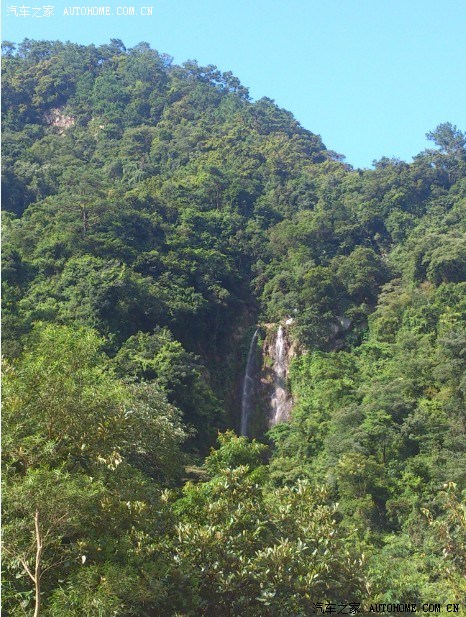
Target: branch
38, 541
21, 561
26, 567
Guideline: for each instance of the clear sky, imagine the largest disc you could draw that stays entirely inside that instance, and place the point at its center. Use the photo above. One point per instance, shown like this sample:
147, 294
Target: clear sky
370, 76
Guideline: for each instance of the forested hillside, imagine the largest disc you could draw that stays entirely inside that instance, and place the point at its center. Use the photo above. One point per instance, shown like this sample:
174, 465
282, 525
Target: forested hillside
154, 217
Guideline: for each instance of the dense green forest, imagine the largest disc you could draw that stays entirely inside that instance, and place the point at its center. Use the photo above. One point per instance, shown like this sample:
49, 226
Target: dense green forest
154, 217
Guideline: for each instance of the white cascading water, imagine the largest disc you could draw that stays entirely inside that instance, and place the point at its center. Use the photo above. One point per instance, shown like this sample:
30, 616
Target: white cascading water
248, 387
280, 403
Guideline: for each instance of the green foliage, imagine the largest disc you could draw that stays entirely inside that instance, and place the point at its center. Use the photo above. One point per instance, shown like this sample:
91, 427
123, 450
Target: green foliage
250, 550
154, 213
235, 452
158, 358
63, 404
83, 457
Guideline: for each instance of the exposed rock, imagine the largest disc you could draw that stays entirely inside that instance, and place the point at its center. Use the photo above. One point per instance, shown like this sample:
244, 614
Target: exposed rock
58, 119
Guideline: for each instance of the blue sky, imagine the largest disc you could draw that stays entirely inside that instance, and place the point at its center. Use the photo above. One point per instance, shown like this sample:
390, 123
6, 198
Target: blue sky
370, 76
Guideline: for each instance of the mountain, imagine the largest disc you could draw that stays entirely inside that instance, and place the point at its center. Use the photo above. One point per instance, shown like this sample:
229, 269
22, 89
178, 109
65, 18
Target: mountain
154, 216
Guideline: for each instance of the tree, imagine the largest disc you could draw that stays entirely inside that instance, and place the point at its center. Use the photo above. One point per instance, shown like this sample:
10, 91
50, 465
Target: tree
46, 511
244, 548
449, 138
452, 144
160, 359
83, 457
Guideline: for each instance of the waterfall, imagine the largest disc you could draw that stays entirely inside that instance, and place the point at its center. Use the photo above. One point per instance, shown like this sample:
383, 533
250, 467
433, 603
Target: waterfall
248, 387
280, 401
